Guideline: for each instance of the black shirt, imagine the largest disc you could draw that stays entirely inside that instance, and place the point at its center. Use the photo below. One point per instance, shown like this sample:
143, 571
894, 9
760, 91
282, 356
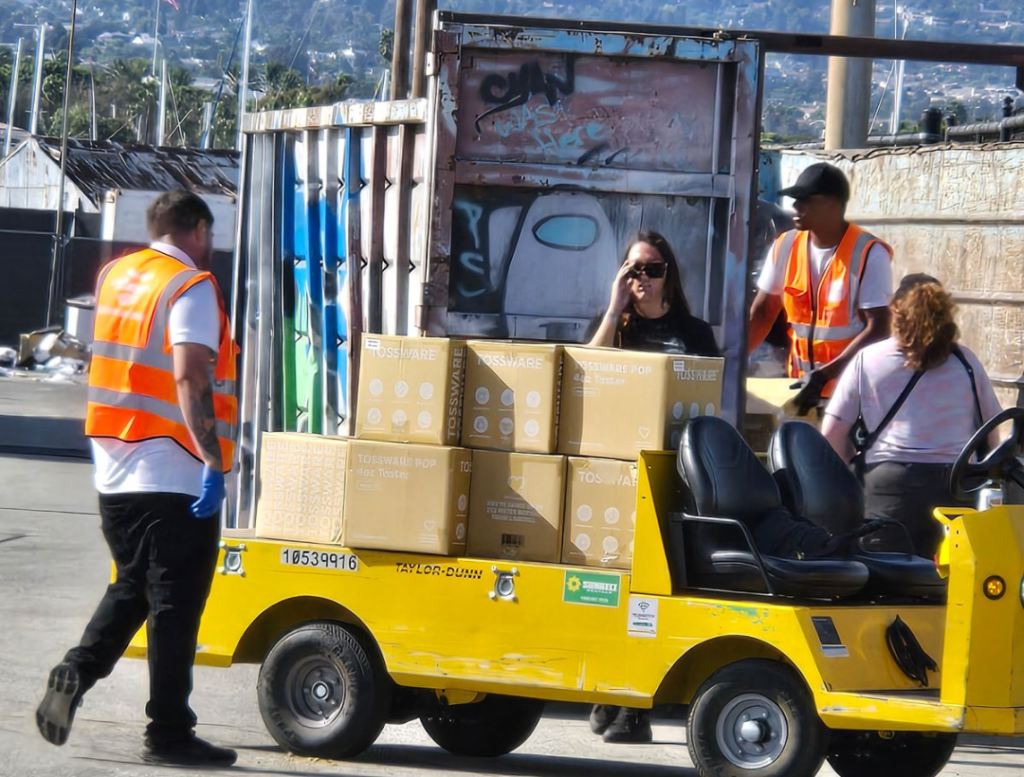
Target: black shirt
675, 332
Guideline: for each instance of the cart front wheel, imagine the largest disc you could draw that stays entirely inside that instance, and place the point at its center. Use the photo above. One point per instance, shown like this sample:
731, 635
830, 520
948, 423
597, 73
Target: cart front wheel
906, 753
486, 729
755, 718
322, 694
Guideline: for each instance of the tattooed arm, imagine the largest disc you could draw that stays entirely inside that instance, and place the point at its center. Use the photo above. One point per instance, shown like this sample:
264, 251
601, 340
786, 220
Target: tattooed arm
193, 368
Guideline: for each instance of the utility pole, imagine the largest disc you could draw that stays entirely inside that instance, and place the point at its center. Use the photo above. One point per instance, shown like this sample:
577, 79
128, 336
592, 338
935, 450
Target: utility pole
901, 66
207, 139
37, 87
12, 99
848, 107
400, 56
421, 46
57, 267
93, 130
161, 115
243, 84
156, 34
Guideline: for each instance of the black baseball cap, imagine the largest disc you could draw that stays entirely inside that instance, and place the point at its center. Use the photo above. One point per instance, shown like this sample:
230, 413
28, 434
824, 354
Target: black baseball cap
820, 178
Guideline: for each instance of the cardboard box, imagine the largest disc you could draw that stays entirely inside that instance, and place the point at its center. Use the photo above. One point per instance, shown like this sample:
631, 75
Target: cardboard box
411, 498
616, 403
600, 513
516, 506
769, 405
410, 389
301, 490
511, 396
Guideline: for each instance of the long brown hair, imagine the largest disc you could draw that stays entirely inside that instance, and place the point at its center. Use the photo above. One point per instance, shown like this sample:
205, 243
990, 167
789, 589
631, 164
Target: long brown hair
674, 298
922, 321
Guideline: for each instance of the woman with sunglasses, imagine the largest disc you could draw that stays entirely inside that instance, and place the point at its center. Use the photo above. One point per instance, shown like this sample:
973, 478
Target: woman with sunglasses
648, 310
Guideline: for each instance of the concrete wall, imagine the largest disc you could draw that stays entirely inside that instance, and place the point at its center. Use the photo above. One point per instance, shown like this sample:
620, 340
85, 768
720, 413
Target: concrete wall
958, 214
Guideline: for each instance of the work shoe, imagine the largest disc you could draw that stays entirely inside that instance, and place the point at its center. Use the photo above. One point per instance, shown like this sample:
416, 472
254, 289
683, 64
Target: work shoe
601, 716
630, 727
57, 709
188, 752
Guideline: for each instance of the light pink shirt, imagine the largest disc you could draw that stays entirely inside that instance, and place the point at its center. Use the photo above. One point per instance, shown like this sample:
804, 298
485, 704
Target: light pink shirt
938, 417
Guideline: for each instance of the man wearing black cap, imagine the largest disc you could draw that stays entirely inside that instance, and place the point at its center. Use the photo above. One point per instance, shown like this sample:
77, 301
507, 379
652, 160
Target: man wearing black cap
832, 278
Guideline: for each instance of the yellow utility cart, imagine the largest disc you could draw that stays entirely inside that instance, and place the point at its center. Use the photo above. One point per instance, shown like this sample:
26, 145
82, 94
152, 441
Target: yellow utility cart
873, 662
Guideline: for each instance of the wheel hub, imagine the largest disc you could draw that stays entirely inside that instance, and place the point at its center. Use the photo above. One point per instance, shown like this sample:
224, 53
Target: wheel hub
751, 731
316, 691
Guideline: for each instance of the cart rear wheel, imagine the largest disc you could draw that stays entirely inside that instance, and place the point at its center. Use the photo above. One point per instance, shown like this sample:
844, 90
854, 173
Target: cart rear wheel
486, 729
755, 718
322, 694
906, 753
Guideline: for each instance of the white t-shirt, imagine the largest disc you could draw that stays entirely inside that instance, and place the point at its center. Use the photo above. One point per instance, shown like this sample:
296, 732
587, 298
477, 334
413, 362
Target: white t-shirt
875, 284
161, 465
937, 419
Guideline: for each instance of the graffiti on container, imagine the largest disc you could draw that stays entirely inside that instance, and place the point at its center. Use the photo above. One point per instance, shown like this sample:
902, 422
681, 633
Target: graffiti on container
506, 92
514, 251
472, 270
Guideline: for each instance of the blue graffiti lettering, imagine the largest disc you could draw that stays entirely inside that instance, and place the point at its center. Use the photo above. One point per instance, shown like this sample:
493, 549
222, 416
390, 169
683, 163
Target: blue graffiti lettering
476, 264
473, 213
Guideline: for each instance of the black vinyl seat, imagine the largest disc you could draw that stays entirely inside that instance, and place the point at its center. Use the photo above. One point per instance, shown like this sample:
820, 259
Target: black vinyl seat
816, 484
731, 491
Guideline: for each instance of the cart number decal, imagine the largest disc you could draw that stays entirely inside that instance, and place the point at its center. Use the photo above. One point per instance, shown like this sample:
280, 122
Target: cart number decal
320, 559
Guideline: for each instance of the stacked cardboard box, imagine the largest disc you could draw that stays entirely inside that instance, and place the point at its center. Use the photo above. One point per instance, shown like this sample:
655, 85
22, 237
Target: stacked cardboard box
548, 470
600, 513
410, 390
301, 487
614, 405
511, 422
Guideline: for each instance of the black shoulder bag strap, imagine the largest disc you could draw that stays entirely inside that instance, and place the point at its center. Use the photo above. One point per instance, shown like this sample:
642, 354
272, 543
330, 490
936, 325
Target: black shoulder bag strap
979, 419
864, 440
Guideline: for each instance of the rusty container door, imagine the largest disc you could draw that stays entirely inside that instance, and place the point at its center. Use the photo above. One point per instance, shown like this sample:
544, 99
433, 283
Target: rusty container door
555, 147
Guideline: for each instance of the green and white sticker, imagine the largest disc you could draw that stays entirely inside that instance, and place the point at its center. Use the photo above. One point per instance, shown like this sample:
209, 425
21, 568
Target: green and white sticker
595, 588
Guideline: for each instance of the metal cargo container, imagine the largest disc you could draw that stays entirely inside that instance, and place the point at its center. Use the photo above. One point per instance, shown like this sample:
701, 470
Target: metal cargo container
499, 207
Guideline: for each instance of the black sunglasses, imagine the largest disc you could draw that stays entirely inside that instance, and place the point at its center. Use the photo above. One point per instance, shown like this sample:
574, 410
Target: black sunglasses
653, 270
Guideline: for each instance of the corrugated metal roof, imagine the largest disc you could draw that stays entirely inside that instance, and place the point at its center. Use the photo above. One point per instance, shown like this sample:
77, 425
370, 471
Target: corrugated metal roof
98, 166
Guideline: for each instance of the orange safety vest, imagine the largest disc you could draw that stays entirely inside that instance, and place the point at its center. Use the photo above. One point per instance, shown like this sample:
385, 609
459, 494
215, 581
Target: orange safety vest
132, 392
823, 320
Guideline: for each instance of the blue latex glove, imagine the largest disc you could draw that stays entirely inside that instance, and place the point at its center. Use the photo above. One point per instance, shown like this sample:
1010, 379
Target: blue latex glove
212, 494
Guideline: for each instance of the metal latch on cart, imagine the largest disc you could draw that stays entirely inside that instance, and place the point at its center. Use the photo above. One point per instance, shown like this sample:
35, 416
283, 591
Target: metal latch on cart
504, 585
232, 559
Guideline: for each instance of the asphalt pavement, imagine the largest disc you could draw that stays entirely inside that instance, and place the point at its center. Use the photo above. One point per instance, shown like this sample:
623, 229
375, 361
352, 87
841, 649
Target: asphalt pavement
53, 569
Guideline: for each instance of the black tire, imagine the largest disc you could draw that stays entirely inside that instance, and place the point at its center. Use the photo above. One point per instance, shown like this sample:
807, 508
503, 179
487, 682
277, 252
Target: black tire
755, 718
906, 753
322, 692
485, 729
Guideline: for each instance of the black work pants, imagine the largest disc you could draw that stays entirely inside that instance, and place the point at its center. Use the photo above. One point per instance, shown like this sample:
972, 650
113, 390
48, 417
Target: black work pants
165, 560
907, 493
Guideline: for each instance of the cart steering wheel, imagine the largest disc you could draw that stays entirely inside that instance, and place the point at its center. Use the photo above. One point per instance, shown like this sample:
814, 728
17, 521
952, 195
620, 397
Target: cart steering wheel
999, 464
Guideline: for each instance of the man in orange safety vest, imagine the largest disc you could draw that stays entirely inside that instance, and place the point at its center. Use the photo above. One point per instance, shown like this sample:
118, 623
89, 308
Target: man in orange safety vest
161, 416
833, 280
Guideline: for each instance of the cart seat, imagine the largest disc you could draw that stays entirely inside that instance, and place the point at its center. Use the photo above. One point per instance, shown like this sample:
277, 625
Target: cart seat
731, 493
815, 484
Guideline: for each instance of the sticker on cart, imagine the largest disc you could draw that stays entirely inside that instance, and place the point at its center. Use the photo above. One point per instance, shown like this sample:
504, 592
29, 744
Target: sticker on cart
320, 559
594, 588
643, 617
831, 643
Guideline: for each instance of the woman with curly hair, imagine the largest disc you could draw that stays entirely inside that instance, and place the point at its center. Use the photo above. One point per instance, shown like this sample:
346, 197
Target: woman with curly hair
906, 470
